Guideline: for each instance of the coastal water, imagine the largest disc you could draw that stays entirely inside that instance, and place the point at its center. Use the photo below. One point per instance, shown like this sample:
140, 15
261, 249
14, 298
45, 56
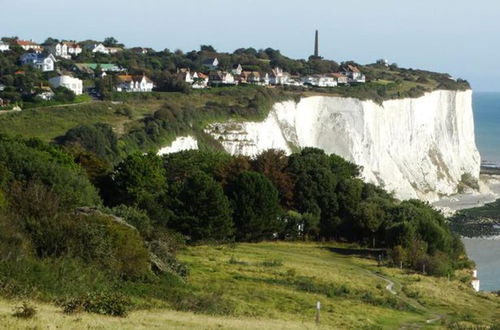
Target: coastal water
486, 254
487, 126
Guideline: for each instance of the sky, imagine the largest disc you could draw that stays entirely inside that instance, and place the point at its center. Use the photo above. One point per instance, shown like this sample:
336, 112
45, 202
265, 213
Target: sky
455, 36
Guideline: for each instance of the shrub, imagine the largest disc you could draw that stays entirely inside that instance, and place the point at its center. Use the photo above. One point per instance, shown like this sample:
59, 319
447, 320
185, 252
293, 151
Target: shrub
213, 303
112, 304
272, 263
25, 311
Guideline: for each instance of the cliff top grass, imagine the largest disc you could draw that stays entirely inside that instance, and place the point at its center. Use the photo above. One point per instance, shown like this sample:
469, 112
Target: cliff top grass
277, 285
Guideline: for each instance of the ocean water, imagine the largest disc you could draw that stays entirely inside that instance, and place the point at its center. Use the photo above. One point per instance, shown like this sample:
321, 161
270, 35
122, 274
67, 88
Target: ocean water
487, 126
486, 254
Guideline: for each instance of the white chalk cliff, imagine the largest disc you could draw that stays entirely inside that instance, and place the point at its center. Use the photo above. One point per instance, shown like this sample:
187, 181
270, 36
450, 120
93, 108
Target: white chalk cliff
418, 148
180, 144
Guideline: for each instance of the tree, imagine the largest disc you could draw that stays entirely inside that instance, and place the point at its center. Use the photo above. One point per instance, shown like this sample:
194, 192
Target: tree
203, 211
110, 42
139, 181
256, 207
273, 164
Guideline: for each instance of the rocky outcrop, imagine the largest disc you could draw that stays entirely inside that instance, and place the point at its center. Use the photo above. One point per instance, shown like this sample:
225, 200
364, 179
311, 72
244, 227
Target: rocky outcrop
180, 144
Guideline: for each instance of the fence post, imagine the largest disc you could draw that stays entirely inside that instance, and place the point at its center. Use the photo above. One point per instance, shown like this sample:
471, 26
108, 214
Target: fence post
318, 308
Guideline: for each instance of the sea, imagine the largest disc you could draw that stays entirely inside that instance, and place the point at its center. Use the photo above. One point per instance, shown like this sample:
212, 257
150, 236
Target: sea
486, 252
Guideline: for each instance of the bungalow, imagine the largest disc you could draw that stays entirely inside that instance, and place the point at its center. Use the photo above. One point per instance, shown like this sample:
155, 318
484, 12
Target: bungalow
211, 63
97, 48
128, 83
221, 78
4, 46
237, 69
353, 74
340, 78
320, 81
39, 61
114, 50
28, 45
251, 77
73, 84
90, 68
186, 76
45, 93
65, 49
200, 80
278, 77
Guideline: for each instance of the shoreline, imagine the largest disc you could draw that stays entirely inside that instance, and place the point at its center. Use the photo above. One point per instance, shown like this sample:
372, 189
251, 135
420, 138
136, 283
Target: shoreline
489, 191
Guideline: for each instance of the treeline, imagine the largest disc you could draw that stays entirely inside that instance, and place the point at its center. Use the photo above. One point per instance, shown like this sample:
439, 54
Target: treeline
71, 222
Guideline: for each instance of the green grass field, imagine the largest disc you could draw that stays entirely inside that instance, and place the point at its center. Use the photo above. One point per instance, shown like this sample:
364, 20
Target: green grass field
277, 285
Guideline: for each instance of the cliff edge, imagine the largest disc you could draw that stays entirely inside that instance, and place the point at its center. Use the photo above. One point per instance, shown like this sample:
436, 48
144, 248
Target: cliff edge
419, 148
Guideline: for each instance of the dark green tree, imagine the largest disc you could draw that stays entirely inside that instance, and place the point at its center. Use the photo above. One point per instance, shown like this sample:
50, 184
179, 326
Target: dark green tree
202, 211
256, 207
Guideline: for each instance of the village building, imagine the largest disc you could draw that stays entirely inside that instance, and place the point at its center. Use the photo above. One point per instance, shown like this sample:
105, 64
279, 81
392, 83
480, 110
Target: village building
353, 74
340, 78
221, 78
91, 68
237, 69
211, 63
65, 49
73, 84
45, 93
319, 81
141, 50
200, 80
114, 50
4, 46
97, 48
28, 45
129, 83
39, 61
278, 77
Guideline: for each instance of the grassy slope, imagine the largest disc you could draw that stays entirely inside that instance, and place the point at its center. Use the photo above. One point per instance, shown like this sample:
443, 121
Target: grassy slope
276, 286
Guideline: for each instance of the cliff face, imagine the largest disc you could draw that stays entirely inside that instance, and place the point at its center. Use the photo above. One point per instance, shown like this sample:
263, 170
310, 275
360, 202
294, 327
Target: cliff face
418, 148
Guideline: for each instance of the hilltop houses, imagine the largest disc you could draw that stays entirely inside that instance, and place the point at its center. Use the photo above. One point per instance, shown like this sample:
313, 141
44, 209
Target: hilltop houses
278, 77
129, 83
320, 81
28, 45
353, 74
221, 78
73, 84
4, 46
65, 49
39, 61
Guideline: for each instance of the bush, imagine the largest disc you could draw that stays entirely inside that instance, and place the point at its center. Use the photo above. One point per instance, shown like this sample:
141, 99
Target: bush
213, 303
272, 263
25, 311
112, 304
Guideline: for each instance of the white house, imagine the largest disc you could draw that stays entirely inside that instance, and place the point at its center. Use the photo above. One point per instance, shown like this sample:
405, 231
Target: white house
340, 78
237, 69
39, 61
65, 49
114, 50
98, 48
29, 45
278, 77
211, 63
200, 80
73, 84
45, 93
221, 77
4, 46
128, 83
353, 74
320, 81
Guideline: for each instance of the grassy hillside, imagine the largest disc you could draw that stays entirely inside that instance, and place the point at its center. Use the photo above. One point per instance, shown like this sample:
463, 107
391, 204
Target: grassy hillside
276, 286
